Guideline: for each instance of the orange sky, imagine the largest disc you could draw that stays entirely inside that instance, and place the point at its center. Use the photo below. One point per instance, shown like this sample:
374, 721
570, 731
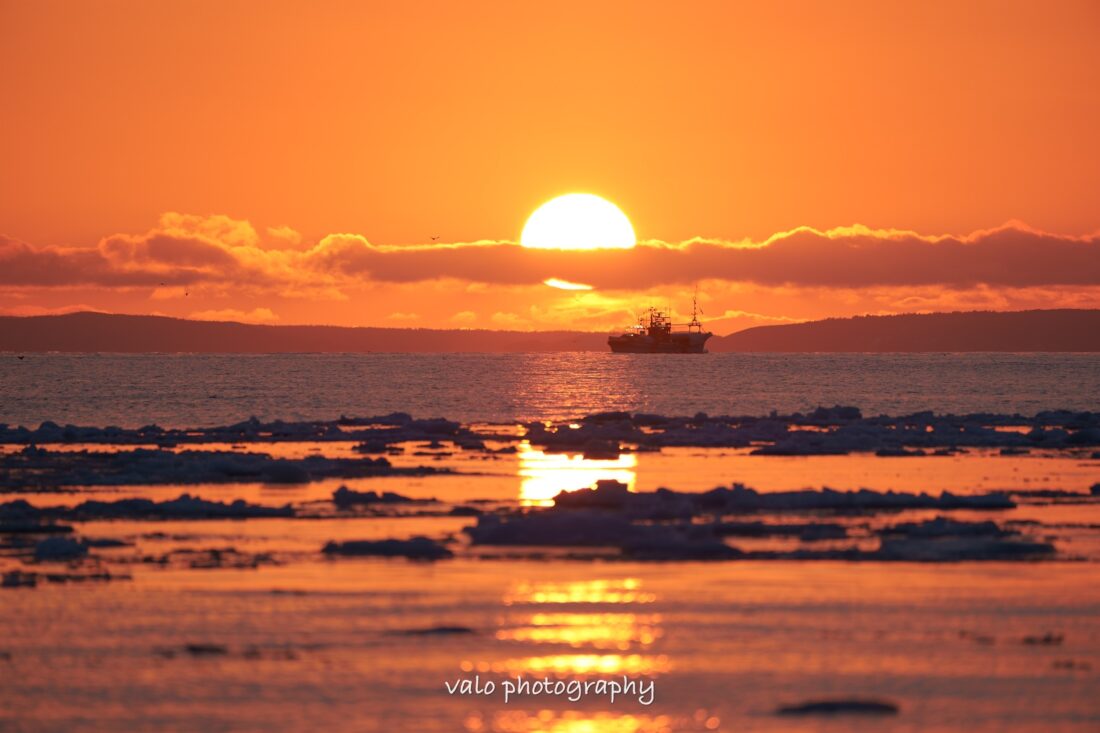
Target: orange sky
270, 126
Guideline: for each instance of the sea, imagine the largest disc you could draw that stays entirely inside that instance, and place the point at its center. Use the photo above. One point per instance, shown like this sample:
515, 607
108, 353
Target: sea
198, 390
198, 623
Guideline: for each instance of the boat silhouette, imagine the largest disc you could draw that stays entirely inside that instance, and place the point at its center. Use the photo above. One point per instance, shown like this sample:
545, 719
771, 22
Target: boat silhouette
655, 333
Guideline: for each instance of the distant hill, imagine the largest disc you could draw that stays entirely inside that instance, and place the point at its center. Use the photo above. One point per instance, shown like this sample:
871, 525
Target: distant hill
84, 332
1049, 330
1037, 330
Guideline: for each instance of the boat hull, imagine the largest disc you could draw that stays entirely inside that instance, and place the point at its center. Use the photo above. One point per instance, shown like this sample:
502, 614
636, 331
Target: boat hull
676, 343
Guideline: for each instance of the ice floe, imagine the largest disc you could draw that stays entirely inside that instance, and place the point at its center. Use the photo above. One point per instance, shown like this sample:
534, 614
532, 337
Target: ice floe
957, 548
823, 431
344, 497
31, 579
393, 428
414, 548
205, 649
1047, 639
183, 507
665, 503
853, 706
211, 558
670, 525
946, 527
59, 548
439, 631
38, 468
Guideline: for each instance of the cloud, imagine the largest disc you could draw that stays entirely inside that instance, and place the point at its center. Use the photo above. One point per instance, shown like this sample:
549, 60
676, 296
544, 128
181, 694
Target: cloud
403, 316
464, 318
221, 252
256, 315
285, 234
1013, 255
509, 321
730, 313
39, 310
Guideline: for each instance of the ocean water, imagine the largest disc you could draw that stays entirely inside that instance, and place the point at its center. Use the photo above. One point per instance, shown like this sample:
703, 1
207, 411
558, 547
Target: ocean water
178, 390
247, 625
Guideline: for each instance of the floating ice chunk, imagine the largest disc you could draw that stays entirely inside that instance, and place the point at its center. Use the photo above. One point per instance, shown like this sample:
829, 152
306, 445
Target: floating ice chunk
810, 532
835, 430
665, 503
1064, 496
958, 548
286, 473
841, 707
23, 526
977, 638
1047, 639
212, 558
597, 433
396, 419
835, 414
18, 579
371, 446
899, 453
59, 548
469, 443
665, 543
43, 468
1073, 664
593, 528
862, 499
607, 494
557, 529
605, 417
414, 548
439, 631
344, 497
105, 542
945, 527
183, 507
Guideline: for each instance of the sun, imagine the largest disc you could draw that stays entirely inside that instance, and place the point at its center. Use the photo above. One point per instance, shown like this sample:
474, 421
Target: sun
578, 221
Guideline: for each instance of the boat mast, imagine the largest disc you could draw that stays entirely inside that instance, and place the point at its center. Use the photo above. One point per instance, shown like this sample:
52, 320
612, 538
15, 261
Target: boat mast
695, 311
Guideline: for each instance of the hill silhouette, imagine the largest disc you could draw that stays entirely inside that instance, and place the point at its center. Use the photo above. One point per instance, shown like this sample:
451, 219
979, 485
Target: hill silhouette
1037, 330
84, 332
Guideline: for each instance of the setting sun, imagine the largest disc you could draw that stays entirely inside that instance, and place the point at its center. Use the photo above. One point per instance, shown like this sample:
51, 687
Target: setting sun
578, 221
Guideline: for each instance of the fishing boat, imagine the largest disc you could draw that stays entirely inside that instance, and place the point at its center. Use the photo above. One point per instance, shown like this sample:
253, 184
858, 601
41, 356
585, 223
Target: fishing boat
655, 333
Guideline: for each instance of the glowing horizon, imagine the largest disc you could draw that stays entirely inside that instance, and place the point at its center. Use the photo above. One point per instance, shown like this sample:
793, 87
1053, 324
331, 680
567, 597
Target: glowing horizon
787, 189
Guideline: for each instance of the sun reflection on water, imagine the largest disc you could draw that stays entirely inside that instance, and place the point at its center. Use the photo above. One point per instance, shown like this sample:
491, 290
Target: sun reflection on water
575, 721
543, 475
601, 641
622, 590
599, 630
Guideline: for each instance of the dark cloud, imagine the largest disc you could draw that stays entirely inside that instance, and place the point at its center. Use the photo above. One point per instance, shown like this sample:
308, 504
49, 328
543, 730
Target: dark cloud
167, 249
22, 264
1013, 256
192, 249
